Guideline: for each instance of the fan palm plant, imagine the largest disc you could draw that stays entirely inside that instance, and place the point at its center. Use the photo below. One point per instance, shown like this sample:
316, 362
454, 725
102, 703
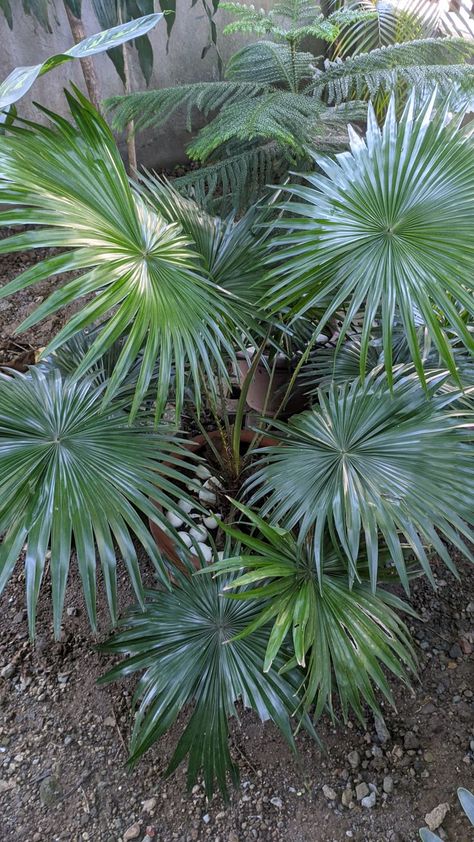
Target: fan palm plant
73, 476
158, 272
184, 644
386, 228
274, 102
343, 636
368, 460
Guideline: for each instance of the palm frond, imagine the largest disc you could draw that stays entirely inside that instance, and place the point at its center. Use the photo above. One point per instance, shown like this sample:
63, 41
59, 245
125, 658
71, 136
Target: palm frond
72, 475
387, 229
343, 636
72, 182
184, 644
367, 460
439, 61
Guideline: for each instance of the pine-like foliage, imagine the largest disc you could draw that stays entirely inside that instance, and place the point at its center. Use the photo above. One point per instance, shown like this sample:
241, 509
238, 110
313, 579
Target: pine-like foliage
274, 102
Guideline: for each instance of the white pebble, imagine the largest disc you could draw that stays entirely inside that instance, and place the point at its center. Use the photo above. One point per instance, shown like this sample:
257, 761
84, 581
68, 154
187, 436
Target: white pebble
211, 522
185, 506
213, 483
206, 551
174, 519
198, 533
207, 496
202, 472
186, 538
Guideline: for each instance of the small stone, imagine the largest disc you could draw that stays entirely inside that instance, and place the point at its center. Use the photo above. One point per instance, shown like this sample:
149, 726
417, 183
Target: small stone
455, 651
5, 786
277, 802
206, 819
411, 741
347, 797
233, 837
354, 759
465, 646
198, 533
202, 472
329, 793
132, 832
110, 722
381, 730
369, 801
149, 805
437, 816
429, 758
8, 671
362, 790
49, 791
388, 784
175, 521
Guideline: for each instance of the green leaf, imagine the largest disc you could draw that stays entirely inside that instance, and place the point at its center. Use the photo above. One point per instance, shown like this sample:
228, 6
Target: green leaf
184, 644
373, 234
345, 635
21, 79
368, 461
141, 260
73, 476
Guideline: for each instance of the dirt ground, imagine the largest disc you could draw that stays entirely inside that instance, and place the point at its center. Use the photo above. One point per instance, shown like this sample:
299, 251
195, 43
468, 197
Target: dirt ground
63, 739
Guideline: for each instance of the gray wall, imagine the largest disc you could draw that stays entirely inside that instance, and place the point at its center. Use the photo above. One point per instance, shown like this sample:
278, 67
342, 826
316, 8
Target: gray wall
29, 44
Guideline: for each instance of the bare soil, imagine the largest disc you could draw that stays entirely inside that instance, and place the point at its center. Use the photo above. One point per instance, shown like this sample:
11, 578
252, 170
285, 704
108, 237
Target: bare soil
63, 739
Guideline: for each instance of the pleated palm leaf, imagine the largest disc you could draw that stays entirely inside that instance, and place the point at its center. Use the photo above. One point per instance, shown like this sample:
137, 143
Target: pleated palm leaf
73, 476
344, 637
145, 275
184, 644
367, 461
387, 229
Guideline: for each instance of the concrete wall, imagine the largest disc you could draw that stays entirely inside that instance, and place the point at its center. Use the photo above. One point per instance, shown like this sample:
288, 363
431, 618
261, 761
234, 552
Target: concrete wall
28, 44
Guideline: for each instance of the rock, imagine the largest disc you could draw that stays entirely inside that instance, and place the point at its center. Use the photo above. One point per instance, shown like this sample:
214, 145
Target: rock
354, 759
110, 722
369, 801
277, 802
174, 520
388, 784
49, 791
206, 818
347, 797
132, 832
202, 549
233, 837
381, 730
362, 790
437, 816
149, 805
8, 670
6, 786
185, 537
455, 651
465, 646
198, 533
185, 506
329, 793
411, 741
202, 472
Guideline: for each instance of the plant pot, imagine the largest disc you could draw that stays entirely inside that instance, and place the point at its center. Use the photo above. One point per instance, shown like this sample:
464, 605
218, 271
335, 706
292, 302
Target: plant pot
263, 398
165, 542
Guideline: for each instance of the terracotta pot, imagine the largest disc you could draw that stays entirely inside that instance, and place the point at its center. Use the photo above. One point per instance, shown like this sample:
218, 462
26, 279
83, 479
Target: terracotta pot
260, 383
165, 542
